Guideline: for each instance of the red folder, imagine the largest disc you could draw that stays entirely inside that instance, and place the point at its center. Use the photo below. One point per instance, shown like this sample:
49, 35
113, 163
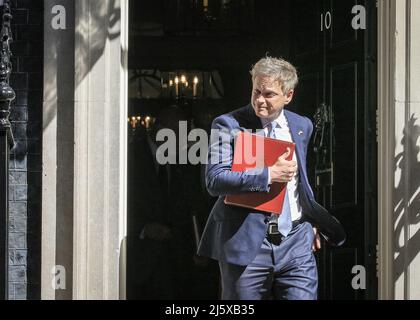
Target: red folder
264, 152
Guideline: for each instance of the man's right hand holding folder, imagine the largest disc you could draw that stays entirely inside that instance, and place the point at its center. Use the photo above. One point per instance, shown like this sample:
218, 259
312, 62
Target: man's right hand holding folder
283, 170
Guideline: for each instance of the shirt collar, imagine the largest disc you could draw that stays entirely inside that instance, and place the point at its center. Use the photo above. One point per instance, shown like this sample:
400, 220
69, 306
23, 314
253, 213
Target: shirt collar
281, 121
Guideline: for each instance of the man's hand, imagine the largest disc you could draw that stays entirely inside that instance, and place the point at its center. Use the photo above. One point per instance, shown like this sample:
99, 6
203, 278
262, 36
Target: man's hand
317, 241
283, 170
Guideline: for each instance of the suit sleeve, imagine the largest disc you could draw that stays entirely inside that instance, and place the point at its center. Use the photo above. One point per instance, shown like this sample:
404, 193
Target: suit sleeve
220, 180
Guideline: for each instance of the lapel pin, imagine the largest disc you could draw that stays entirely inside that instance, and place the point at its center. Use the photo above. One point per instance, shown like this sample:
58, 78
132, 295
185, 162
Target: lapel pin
300, 132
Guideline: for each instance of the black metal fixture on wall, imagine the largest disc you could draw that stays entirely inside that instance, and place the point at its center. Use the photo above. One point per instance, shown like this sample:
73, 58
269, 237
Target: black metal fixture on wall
323, 146
7, 95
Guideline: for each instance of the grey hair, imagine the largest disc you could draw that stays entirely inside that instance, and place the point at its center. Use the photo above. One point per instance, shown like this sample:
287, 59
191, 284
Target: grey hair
278, 69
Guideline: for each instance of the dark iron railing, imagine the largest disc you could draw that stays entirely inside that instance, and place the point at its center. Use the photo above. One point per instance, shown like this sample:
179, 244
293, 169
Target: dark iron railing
7, 95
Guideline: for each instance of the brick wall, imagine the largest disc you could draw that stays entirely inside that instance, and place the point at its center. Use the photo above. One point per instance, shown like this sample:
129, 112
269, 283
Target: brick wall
25, 161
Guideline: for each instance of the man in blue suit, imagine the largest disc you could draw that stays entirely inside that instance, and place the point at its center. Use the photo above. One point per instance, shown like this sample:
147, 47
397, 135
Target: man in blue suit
262, 255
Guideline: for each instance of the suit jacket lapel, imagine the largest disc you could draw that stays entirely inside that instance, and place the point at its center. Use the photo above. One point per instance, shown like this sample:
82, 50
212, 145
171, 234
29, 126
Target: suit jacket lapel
296, 131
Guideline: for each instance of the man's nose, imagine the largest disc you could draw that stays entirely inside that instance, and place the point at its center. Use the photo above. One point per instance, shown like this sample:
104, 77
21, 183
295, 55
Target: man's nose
260, 99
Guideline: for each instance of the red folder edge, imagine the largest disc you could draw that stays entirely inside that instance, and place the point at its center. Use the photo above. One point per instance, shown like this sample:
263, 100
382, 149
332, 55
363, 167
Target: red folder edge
272, 201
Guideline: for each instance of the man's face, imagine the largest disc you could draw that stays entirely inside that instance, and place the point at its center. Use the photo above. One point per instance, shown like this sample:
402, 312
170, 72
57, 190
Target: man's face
268, 98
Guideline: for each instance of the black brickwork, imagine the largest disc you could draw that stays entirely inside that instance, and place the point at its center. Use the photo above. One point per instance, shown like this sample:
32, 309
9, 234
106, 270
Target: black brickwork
25, 162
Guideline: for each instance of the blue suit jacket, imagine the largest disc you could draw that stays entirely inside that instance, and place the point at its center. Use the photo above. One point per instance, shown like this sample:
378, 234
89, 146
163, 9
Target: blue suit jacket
234, 234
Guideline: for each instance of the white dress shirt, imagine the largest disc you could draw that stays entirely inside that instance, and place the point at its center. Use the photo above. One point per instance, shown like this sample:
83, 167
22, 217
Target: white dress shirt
282, 132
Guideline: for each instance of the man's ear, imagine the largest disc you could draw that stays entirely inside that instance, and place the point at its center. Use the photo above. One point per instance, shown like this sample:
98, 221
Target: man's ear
289, 96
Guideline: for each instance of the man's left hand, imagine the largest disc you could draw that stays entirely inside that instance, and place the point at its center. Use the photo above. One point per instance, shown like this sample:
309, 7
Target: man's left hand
317, 241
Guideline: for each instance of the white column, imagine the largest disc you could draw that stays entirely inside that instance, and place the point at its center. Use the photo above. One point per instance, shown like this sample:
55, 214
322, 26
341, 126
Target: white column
84, 149
100, 149
399, 163
401, 82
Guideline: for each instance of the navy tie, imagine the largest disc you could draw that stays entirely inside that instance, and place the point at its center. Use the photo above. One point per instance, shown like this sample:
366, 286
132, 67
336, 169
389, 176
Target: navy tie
285, 219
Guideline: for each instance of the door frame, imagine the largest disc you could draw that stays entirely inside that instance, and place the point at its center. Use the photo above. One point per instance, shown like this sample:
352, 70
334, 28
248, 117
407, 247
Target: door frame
386, 144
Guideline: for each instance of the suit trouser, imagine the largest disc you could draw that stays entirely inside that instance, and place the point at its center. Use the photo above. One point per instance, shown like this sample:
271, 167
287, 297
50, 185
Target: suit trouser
281, 271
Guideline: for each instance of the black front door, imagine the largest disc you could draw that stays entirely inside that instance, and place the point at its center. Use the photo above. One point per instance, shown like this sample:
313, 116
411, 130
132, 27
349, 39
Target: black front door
337, 91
